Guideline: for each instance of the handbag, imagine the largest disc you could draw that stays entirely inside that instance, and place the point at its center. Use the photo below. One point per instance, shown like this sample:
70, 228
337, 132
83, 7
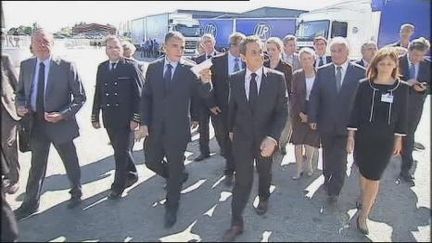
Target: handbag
24, 131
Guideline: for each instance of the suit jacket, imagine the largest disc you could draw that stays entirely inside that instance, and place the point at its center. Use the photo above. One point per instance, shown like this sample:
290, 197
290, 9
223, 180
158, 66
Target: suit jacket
167, 114
201, 58
220, 73
328, 60
117, 94
298, 97
287, 70
327, 107
270, 114
64, 93
360, 62
9, 83
296, 61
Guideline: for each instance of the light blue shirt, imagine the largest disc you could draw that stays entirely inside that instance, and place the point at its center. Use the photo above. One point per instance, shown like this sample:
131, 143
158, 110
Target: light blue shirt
231, 63
34, 92
173, 64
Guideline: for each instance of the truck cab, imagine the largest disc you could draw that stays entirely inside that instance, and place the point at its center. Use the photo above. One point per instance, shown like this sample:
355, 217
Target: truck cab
190, 29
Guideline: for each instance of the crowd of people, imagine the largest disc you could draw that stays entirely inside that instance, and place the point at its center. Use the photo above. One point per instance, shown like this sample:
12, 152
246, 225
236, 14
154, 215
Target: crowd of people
259, 96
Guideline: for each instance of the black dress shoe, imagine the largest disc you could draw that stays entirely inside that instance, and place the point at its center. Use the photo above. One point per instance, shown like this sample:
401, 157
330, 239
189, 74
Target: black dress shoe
24, 211
170, 218
232, 233
228, 181
419, 146
262, 207
74, 202
132, 179
114, 194
202, 157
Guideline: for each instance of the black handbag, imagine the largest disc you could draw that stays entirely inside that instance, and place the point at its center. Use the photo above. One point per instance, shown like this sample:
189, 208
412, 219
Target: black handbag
24, 132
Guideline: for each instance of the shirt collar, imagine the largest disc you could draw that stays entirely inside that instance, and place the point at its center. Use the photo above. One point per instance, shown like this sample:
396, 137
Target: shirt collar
259, 73
46, 61
344, 66
232, 57
173, 64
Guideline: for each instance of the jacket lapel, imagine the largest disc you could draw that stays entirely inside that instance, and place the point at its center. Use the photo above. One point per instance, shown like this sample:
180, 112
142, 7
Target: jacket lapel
52, 73
29, 82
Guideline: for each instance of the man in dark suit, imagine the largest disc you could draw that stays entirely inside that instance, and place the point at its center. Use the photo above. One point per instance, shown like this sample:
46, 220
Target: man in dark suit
257, 114
415, 69
224, 65
9, 122
45, 87
405, 33
169, 87
320, 46
117, 94
330, 105
368, 51
208, 43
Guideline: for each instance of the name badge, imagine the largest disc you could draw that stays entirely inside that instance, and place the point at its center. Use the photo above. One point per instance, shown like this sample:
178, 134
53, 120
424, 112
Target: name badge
388, 98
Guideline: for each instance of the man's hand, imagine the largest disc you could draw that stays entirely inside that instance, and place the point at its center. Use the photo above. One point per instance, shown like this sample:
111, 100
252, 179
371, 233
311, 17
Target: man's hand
141, 133
412, 82
53, 117
303, 117
133, 125
267, 147
350, 144
313, 126
397, 145
215, 110
22, 111
420, 87
96, 125
205, 75
194, 124
231, 135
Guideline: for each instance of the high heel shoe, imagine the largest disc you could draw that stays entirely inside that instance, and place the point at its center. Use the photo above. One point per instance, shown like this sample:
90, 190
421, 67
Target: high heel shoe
364, 231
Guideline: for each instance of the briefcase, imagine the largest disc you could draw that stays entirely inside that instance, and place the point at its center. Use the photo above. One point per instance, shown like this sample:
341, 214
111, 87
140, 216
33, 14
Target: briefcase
24, 131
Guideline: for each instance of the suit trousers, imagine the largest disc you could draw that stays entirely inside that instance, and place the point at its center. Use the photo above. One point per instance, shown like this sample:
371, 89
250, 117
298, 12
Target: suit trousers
244, 158
204, 129
40, 144
9, 145
220, 125
9, 227
156, 148
122, 141
408, 141
334, 162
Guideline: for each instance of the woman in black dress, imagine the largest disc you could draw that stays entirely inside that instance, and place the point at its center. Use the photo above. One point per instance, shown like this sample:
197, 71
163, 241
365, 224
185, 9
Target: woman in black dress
378, 122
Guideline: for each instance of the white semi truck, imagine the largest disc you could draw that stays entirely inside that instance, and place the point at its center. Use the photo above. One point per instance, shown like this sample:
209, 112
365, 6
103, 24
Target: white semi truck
154, 27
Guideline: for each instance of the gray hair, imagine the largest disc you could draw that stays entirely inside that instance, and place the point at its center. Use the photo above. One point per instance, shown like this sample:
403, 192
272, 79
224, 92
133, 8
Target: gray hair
41, 31
128, 46
339, 41
420, 44
235, 38
369, 43
288, 38
174, 35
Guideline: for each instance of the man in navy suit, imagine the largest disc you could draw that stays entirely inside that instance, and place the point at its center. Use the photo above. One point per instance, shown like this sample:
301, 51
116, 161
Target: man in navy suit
415, 69
257, 114
330, 105
320, 46
117, 94
208, 43
405, 33
223, 66
368, 51
165, 108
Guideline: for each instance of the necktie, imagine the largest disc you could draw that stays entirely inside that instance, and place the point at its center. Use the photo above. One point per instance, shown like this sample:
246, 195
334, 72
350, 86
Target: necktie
113, 66
253, 91
40, 92
321, 62
167, 77
338, 78
236, 64
412, 71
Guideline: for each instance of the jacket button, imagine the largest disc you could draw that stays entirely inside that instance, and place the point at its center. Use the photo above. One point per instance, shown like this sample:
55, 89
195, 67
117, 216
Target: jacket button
116, 104
108, 105
106, 94
106, 84
115, 94
115, 83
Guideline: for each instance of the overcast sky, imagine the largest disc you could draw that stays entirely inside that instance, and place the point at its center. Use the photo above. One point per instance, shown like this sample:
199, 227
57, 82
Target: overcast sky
53, 15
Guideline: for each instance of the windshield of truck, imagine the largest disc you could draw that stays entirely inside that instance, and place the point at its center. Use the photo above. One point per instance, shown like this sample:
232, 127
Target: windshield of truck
310, 29
193, 31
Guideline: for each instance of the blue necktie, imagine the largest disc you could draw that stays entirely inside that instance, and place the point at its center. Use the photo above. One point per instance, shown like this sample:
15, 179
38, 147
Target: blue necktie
253, 91
167, 77
236, 65
321, 62
412, 71
40, 109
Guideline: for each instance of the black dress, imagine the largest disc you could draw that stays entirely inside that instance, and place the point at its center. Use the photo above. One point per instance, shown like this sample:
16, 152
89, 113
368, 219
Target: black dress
379, 112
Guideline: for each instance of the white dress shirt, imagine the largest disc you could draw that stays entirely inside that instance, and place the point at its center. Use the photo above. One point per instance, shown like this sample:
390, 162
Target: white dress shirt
248, 78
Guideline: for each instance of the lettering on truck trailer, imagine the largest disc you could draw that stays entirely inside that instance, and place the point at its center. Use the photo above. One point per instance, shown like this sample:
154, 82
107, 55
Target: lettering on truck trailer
263, 31
211, 29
